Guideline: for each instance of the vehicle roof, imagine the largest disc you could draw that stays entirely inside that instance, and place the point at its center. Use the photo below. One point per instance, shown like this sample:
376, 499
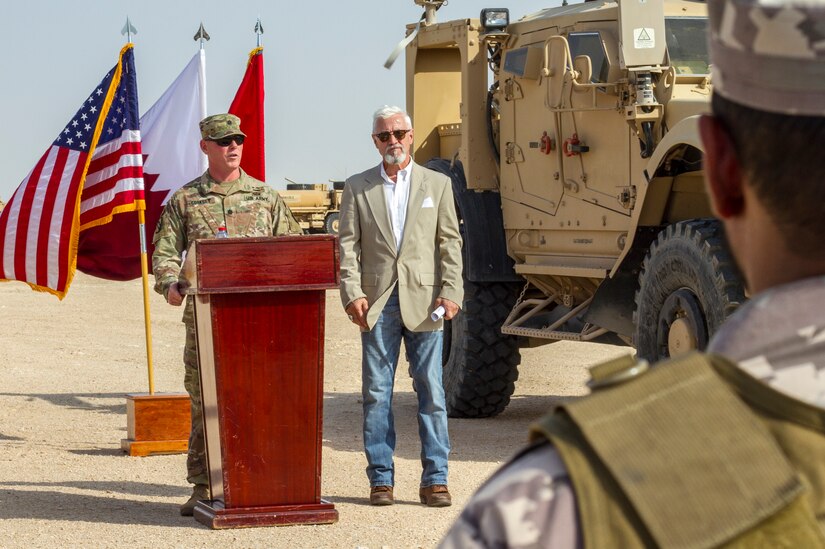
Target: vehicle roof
602, 10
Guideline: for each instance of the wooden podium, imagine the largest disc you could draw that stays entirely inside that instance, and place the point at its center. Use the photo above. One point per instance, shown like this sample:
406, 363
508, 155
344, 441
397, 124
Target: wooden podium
259, 315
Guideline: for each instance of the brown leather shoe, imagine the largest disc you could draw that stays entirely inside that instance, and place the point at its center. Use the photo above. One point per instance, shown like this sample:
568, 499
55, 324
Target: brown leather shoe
381, 495
436, 495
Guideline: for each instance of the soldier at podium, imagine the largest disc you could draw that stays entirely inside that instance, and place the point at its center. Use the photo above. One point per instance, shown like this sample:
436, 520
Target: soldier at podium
223, 202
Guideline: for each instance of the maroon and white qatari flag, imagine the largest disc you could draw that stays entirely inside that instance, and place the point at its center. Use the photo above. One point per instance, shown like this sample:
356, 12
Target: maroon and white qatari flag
92, 171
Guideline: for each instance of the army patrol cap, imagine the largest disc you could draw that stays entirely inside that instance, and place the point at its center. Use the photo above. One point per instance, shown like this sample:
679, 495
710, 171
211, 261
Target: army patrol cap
769, 54
218, 126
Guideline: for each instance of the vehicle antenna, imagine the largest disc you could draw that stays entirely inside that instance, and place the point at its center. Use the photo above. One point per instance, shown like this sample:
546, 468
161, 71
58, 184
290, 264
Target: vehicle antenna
427, 18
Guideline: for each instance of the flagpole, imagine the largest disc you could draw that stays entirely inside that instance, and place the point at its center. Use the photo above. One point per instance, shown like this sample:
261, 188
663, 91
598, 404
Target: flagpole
201, 35
159, 423
259, 30
144, 272
128, 30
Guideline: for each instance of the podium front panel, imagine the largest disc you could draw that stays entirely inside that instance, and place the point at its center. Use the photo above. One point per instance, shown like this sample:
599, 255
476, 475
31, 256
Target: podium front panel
259, 314
266, 348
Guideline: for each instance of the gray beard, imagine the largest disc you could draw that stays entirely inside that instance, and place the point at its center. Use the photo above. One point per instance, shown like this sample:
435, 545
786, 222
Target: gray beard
398, 158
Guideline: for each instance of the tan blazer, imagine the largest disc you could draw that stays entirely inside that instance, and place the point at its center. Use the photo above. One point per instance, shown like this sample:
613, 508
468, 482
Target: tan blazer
428, 263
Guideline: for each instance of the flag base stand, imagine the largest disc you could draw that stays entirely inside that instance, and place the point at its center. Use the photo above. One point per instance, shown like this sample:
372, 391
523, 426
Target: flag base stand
157, 424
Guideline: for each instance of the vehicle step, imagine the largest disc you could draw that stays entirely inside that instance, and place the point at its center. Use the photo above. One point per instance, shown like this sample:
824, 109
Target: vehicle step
543, 334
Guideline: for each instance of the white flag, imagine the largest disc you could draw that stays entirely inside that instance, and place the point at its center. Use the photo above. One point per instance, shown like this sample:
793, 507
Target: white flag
170, 131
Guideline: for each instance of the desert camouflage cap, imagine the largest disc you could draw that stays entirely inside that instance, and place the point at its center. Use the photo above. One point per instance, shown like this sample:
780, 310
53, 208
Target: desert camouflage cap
220, 125
769, 54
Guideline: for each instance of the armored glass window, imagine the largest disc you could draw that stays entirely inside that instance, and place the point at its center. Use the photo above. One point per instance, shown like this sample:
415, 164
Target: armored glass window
590, 44
687, 44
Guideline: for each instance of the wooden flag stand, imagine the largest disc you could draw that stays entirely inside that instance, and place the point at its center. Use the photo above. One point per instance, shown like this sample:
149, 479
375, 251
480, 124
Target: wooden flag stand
157, 424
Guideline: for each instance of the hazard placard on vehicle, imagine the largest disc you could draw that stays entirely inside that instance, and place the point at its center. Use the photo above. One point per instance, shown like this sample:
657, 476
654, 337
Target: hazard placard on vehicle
644, 38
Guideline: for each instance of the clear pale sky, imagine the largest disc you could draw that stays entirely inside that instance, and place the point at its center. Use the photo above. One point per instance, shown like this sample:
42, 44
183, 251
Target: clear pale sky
323, 68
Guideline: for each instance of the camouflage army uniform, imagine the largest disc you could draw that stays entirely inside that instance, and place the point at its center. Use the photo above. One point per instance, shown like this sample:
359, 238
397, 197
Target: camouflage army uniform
249, 208
779, 337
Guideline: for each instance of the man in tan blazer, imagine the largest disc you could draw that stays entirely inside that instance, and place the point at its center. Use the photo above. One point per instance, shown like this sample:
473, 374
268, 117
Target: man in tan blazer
400, 263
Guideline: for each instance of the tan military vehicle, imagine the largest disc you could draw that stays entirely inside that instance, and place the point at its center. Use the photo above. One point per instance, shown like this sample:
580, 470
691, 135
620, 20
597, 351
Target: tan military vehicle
315, 206
571, 139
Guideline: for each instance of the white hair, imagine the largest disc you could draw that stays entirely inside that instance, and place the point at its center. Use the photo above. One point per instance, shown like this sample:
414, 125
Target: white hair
388, 112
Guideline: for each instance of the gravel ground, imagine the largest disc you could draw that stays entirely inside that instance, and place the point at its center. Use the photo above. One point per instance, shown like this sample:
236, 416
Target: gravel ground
64, 481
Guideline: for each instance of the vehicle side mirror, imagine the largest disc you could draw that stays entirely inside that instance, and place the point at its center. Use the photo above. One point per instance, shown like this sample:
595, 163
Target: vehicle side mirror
584, 69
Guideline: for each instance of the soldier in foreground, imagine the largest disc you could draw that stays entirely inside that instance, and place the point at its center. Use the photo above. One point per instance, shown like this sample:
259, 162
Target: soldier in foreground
702, 451
223, 199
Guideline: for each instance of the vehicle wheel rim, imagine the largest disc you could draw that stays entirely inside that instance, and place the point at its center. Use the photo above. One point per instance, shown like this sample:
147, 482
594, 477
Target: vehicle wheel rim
682, 325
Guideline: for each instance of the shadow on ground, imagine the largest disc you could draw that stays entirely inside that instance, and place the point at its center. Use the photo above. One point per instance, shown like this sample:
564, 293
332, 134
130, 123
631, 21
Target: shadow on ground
109, 487
16, 502
486, 439
78, 401
98, 452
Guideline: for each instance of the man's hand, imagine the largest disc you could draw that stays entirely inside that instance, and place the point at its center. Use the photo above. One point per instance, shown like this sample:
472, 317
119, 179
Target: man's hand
450, 308
357, 311
173, 296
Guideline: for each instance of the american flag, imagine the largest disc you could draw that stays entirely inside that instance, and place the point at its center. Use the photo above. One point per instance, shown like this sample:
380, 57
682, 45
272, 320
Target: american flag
169, 138
92, 170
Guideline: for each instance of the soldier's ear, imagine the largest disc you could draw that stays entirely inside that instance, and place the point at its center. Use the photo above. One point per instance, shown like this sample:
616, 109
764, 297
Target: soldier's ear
203, 146
723, 172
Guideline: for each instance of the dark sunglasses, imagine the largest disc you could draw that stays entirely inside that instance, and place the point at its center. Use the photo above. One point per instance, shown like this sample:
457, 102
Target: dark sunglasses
383, 137
226, 141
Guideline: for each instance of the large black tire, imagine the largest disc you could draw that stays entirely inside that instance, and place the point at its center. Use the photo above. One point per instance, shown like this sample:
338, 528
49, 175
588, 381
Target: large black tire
688, 286
481, 363
331, 223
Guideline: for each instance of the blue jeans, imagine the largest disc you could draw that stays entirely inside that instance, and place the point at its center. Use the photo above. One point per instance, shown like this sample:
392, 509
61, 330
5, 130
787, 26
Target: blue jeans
380, 350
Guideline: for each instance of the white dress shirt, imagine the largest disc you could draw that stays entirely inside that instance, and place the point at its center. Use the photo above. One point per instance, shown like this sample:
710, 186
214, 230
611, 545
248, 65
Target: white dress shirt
397, 195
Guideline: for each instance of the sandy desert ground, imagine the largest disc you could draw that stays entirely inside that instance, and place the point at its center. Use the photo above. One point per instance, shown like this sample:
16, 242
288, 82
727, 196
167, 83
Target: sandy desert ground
64, 481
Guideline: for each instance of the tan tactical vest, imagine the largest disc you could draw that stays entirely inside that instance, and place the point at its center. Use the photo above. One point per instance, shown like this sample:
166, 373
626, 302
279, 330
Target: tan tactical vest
690, 454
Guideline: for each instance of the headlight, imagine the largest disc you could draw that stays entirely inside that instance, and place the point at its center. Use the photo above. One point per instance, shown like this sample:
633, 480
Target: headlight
494, 19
